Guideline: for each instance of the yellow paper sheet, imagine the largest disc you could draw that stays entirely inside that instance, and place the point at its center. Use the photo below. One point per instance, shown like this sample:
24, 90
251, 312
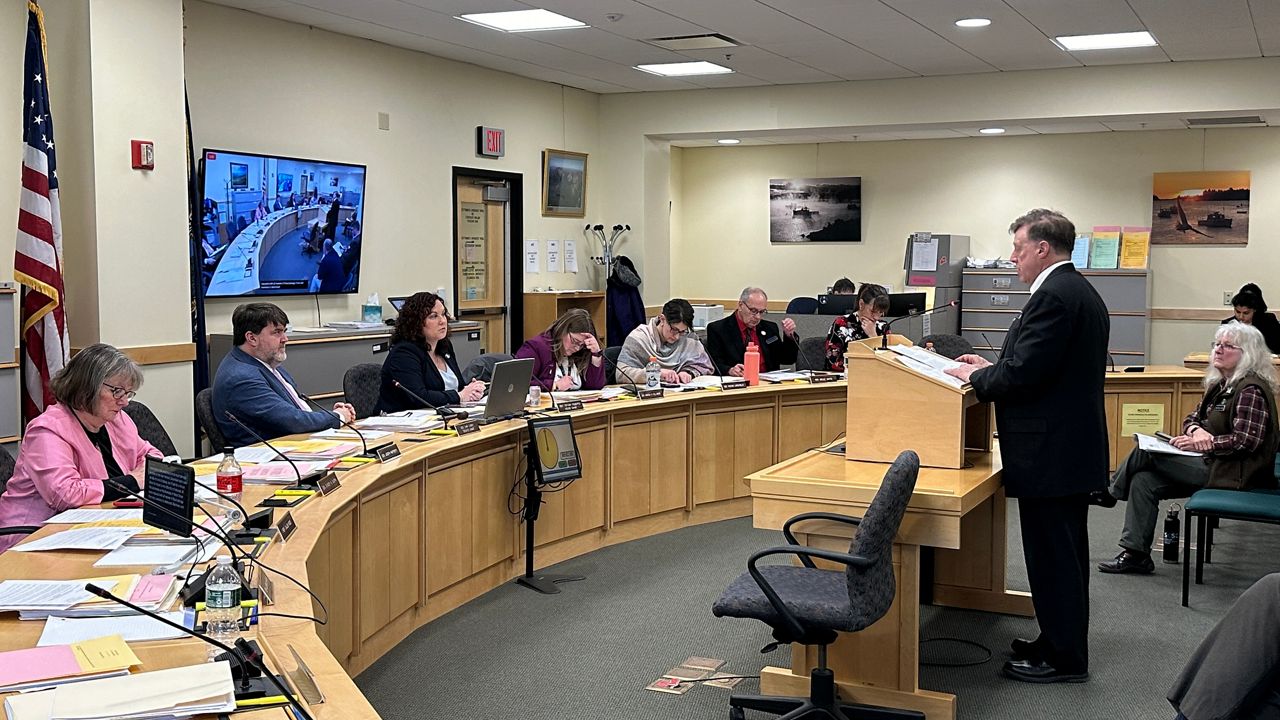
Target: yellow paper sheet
104, 654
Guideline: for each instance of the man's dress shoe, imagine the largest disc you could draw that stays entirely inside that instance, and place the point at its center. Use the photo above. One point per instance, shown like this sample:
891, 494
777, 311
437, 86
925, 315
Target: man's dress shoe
1039, 671
1023, 649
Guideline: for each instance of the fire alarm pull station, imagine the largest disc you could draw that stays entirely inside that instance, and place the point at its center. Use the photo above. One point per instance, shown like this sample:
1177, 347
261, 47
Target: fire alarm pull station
144, 155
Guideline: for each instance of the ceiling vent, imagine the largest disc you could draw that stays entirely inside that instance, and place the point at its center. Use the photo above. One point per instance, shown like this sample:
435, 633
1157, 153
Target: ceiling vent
1213, 122
694, 42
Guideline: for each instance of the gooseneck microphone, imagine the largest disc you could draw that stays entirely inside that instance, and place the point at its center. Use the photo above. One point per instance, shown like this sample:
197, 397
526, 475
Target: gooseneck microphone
884, 339
363, 444
446, 413
263, 440
999, 351
244, 655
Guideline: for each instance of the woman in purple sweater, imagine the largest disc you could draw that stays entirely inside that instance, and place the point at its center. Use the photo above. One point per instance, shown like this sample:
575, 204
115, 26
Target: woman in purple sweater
567, 356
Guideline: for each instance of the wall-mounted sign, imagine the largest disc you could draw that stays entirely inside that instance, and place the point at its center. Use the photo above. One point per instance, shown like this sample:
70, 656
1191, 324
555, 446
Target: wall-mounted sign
491, 142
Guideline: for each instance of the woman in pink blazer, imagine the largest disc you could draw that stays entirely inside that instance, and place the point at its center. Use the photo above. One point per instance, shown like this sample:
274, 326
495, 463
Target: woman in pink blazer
84, 449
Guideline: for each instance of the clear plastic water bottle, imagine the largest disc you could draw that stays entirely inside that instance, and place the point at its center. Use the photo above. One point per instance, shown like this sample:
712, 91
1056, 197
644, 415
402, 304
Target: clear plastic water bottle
222, 605
230, 477
652, 374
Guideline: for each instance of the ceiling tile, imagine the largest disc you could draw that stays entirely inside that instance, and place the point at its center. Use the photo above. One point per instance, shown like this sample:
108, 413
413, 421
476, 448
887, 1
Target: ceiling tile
926, 134
1009, 43
1068, 127
1152, 124
638, 21
1266, 22
458, 7
606, 46
1077, 17
841, 59
1126, 56
1192, 30
762, 64
746, 21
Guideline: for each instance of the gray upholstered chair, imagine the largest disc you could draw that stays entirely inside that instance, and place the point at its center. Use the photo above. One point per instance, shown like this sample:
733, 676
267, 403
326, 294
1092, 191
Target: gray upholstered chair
6, 472
361, 386
808, 605
149, 427
481, 368
813, 354
952, 346
204, 413
611, 354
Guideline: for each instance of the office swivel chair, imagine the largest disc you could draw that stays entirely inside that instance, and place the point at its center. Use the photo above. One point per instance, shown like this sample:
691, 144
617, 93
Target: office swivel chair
149, 427
481, 367
813, 354
204, 413
361, 385
802, 306
808, 605
6, 472
611, 354
951, 346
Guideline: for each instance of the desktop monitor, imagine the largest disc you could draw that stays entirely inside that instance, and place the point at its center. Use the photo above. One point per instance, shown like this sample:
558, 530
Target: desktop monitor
837, 304
265, 221
397, 302
555, 448
901, 304
170, 494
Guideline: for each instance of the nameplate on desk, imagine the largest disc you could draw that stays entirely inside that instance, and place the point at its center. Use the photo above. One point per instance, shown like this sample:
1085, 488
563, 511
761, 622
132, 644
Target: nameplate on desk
819, 378
380, 347
569, 405
287, 527
266, 589
734, 384
649, 393
328, 483
466, 427
388, 452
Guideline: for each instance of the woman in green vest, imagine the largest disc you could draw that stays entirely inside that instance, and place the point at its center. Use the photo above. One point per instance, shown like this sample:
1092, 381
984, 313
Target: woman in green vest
1233, 430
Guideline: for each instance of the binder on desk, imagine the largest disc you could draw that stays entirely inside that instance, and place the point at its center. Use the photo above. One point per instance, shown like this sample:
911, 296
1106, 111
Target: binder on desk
892, 407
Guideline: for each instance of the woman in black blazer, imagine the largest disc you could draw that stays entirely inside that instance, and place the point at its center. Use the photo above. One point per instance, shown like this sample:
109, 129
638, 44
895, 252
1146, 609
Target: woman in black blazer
421, 360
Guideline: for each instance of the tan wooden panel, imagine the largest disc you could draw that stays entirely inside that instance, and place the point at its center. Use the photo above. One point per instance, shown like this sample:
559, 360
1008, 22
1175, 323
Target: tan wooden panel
319, 577
669, 458
714, 457
550, 525
798, 428
584, 499
448, 526
341, 599
491, 524
375, 565
834, 417
630, 462
406, 543
752, 446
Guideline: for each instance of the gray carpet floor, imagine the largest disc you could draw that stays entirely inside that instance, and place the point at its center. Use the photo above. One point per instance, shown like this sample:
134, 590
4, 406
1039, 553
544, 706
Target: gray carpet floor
588, 652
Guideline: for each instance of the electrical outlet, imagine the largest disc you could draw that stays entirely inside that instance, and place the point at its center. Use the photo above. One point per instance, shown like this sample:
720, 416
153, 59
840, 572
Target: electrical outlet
1226, 297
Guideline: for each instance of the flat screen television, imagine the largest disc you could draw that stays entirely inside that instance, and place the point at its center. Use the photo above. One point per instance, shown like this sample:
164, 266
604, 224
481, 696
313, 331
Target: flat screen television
275, 225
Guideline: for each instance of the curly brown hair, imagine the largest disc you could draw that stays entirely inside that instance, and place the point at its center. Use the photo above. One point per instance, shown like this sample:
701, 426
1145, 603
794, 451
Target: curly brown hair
409, 322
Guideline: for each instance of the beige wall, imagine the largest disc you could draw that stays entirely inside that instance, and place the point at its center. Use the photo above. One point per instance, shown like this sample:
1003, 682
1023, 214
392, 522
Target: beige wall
972, 187
263, 85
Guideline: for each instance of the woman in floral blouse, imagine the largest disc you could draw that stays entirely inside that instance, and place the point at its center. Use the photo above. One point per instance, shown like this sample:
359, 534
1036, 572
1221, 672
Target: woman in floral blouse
873, 301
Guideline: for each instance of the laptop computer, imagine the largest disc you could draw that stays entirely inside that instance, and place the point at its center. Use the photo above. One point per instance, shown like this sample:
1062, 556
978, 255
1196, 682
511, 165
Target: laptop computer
508, 390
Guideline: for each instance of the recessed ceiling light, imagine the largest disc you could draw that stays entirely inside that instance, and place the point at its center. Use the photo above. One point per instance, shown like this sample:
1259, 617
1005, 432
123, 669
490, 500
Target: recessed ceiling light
973, 22
1106, 41
992, 131
684, 68
517, 21
728, 141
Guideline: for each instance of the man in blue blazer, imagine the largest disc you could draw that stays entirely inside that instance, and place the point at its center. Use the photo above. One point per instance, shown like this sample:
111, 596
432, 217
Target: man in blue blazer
1047, 386
252, 385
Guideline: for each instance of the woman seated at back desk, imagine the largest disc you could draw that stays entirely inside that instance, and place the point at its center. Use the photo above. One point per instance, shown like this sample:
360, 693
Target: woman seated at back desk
421, 360
862, 323
82, 450
668, 338
1251, 309
567, 355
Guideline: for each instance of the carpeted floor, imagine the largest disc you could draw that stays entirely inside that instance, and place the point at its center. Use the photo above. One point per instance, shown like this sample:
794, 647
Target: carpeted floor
588, 652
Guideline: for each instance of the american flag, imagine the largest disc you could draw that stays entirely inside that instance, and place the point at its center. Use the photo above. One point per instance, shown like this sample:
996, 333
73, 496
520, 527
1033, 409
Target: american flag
38, 263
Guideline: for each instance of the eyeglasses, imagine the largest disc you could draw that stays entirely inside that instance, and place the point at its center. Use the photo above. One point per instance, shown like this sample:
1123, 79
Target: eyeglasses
756, 313
675, 330
1225, 346
119, 393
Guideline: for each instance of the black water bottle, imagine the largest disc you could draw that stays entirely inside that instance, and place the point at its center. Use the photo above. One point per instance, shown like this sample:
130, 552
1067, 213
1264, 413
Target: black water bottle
1171, 534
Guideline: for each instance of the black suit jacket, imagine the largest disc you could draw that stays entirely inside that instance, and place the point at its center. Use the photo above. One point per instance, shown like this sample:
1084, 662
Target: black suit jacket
1047, 386
409, 363
1266, 324
726, 348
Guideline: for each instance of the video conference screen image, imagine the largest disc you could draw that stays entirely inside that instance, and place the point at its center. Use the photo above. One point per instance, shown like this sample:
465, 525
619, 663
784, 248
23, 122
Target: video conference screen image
279, 226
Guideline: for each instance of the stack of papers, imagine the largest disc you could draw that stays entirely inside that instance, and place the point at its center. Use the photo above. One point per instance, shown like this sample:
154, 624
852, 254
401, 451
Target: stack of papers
283, 473
180, 692
354, 325
76, 516
93, 606
777, 376
347, 434
157, 555
43, 667
317, 449
929, 364
133, 628
57, 595
85, 538
1152, 444
410, 421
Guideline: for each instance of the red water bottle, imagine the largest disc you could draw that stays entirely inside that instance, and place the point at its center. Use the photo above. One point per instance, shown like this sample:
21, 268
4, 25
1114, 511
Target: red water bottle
751, 365
230, 477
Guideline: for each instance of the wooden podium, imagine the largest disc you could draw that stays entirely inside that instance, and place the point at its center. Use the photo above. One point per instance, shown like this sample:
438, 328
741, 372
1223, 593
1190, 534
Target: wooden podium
892, 407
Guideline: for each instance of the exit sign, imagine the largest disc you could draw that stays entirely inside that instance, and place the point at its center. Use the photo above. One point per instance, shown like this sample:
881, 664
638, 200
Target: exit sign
491, 142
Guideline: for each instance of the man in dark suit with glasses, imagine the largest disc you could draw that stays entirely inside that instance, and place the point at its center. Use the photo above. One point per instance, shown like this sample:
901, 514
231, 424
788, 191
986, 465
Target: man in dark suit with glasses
727, 338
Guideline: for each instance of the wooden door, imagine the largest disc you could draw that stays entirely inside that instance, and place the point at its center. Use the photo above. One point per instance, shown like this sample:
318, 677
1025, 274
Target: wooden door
481, 272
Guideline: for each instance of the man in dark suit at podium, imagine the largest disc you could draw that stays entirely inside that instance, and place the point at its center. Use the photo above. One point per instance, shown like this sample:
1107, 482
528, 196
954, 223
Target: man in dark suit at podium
1047, 385
727, 338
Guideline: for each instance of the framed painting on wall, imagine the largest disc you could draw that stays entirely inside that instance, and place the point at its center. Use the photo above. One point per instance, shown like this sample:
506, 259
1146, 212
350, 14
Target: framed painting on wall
1200, 208
804, 210
564, 183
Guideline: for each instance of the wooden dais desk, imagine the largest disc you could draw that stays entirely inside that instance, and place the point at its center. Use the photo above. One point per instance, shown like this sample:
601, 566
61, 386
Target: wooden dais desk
960, 512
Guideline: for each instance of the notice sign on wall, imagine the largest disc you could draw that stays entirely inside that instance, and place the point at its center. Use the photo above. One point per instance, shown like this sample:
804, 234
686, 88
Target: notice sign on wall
474, 266
1145, 418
